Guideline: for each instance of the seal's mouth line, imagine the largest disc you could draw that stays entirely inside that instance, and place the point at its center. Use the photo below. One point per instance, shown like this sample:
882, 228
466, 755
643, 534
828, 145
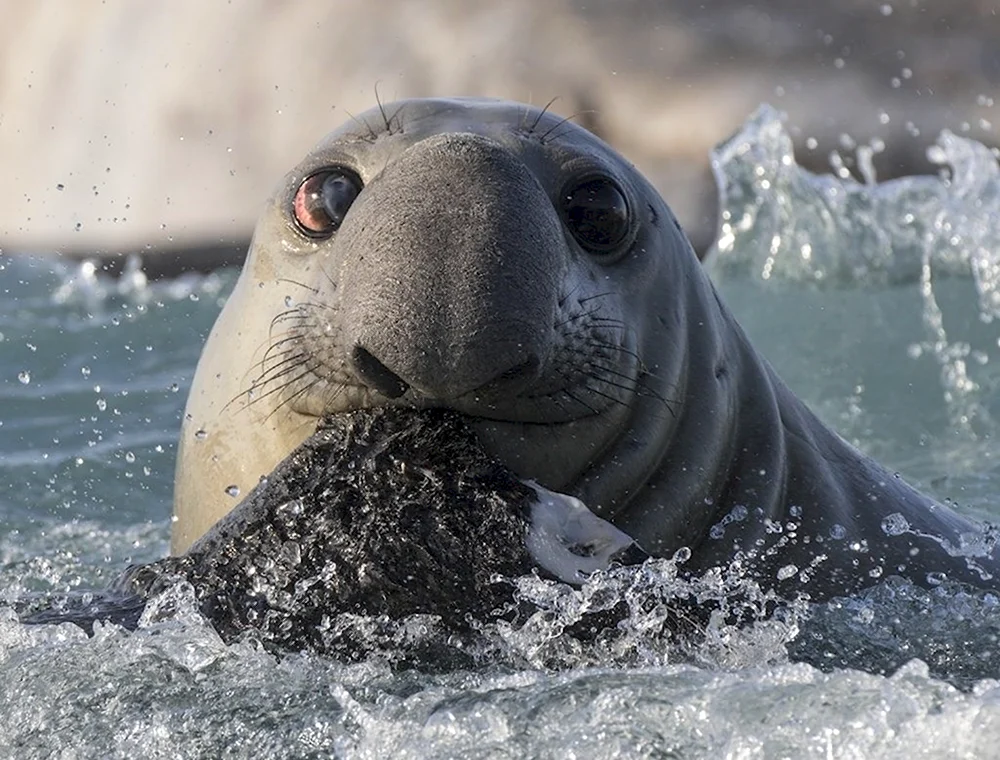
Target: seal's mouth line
461, 413
352, 398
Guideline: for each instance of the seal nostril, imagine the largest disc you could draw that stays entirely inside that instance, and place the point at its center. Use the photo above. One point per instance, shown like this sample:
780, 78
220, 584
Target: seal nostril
376, 375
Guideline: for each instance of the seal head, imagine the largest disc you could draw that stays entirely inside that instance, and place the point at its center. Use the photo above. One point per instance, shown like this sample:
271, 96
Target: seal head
493, 259
482, 256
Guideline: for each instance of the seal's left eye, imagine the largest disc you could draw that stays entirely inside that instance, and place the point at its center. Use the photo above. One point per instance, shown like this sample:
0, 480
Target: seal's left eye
597, 214
322, 201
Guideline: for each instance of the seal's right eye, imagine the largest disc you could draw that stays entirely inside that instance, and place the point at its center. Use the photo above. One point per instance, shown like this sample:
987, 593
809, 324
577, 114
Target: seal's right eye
322, 201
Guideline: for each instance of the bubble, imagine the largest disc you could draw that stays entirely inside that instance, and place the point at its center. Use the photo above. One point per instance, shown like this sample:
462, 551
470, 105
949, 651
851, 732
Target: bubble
24, 377
837, 531
895, 524
129, 457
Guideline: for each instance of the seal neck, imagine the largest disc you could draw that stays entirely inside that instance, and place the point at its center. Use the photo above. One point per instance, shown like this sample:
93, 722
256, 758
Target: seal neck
805, 511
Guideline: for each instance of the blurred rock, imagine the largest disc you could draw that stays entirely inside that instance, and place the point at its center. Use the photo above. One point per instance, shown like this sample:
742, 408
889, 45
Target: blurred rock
132, 127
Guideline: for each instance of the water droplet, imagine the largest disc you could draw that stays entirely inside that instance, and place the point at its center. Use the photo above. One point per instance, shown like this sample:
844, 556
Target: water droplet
233, 491
885, 9
85, 371
895, 524
60, 186
24, 376
200, 434
129, 457
682, 555
837, 531
936, 578
787, 572
102, 404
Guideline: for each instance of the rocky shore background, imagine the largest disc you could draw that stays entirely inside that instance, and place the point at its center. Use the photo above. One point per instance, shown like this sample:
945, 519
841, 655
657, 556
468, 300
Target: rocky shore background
159, 128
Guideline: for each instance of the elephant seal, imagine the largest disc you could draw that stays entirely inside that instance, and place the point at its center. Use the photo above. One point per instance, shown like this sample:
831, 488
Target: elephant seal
493, 259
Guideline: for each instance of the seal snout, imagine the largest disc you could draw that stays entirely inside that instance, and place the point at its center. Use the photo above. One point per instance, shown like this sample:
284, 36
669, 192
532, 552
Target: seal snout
508, 379
450, 268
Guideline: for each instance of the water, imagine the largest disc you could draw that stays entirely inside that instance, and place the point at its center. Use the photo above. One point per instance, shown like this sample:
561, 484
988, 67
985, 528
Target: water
886, 324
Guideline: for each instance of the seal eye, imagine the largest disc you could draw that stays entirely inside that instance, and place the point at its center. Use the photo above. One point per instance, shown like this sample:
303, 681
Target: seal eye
597, 214
322, 201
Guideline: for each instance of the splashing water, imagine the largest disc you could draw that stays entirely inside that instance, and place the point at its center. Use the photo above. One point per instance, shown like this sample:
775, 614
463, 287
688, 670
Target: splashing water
782, 224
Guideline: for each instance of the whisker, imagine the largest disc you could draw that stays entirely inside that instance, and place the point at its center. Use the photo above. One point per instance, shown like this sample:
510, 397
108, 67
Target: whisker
372, 134
581, 403
381, 110
620, 349
561, 123
287, 315
541, 114
276, 372
296, 282
290, 399
282, 386
599, 295
602, 394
